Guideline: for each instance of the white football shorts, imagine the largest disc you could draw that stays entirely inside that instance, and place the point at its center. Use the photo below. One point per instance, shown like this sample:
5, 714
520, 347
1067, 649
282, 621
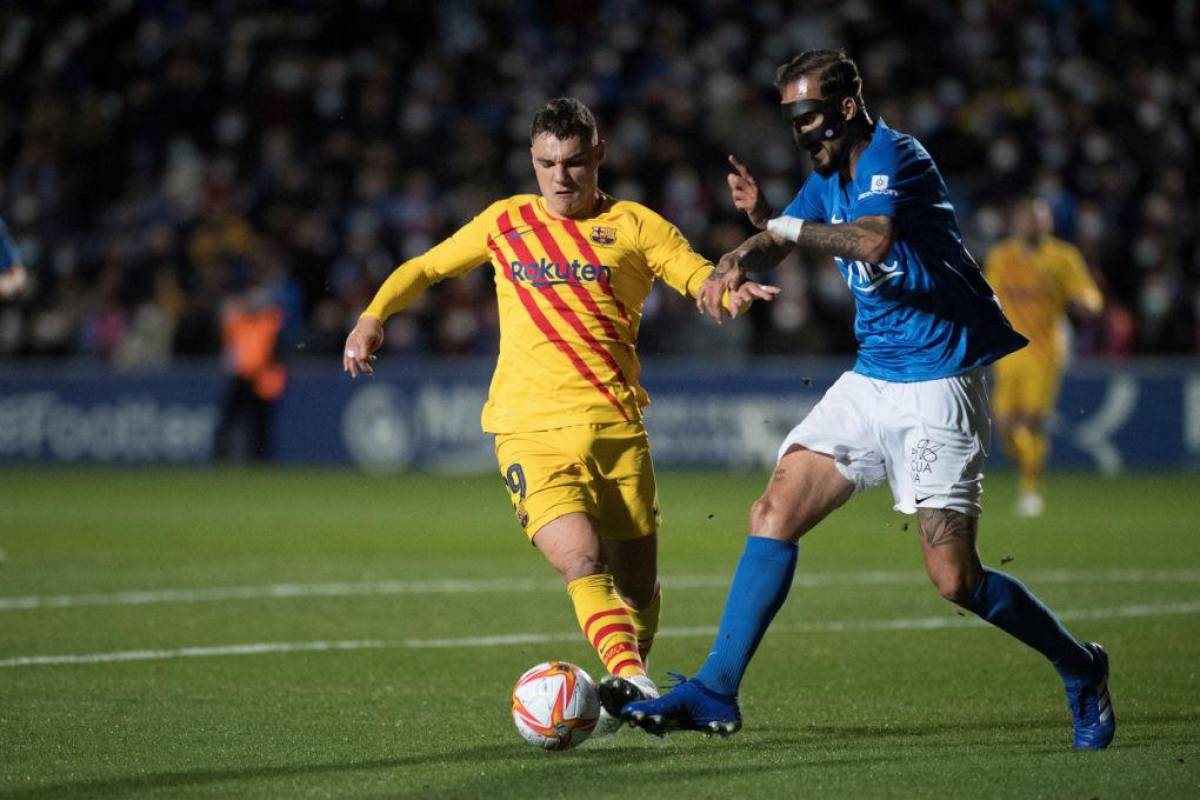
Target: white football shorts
927, 439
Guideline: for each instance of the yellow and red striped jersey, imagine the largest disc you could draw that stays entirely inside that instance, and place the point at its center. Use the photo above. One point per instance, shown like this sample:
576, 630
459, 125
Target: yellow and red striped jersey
570, 294
1035, 285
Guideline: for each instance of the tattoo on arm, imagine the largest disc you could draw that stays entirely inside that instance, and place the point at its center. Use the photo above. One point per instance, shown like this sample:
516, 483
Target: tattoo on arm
865, 239
940, 526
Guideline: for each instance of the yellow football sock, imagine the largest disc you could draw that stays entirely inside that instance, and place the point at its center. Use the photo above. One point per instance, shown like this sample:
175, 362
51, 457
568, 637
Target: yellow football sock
645, 621
1030, 450
607, 623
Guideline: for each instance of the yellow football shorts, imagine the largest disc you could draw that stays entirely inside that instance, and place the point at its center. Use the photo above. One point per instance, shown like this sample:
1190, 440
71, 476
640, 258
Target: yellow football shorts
603, 471
1025, 383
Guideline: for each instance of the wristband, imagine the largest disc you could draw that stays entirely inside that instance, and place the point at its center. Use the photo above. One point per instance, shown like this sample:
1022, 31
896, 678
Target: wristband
787, 227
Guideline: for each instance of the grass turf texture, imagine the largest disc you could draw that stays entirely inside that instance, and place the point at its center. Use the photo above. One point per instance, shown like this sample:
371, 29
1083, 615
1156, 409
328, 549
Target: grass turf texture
877, 713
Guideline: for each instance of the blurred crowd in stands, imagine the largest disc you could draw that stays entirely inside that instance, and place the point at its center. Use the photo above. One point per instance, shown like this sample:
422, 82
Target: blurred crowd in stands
160, 159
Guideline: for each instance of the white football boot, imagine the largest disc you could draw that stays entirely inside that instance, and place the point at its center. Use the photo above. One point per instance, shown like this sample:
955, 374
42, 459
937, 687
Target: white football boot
614, 694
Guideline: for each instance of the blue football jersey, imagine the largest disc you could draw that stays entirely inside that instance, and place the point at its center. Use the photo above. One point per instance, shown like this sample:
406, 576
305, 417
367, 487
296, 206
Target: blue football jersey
925, 311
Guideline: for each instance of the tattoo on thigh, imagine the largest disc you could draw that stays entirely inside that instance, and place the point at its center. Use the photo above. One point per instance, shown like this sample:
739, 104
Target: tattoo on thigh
779, 475
939, 526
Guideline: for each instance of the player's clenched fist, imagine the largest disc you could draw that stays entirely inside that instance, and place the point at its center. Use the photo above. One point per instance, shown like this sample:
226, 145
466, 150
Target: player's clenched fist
746, 195
361, 345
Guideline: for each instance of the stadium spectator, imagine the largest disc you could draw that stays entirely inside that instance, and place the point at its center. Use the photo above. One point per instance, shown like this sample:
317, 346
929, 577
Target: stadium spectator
250, 327
352, 135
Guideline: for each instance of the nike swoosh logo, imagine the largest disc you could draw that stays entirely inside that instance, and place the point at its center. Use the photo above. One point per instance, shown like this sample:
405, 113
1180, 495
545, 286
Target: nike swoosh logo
518, 234
923, 499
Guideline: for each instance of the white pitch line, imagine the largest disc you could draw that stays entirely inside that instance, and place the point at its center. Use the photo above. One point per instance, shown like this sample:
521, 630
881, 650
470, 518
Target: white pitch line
282, 591
257, 648
276, 591
845, 626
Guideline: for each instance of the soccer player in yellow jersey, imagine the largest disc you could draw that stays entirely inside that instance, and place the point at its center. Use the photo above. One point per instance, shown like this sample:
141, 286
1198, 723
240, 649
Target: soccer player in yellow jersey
573, 267
1037, 278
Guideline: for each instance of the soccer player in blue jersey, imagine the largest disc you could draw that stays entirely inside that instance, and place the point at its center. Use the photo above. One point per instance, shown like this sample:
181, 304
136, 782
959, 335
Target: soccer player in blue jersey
13, 276
913, 412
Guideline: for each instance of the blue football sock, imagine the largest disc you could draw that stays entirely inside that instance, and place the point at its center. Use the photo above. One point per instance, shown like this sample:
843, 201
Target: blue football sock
760, 585
1005, 602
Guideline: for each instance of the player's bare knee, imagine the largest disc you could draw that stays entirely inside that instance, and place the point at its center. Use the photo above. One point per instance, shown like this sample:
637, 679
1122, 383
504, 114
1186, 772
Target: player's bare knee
957, 584
771, 520
760, 515
574, 566
953, 588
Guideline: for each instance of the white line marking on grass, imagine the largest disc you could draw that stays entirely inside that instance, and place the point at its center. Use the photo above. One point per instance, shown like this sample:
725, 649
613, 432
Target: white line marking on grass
282, 591
276, 591
258, 648
845, 626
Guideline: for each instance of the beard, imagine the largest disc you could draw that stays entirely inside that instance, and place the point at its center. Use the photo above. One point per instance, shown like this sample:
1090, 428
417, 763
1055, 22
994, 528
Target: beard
835, 161
825, 170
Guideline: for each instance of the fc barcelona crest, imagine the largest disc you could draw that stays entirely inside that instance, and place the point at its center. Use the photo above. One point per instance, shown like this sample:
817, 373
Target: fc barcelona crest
603, 235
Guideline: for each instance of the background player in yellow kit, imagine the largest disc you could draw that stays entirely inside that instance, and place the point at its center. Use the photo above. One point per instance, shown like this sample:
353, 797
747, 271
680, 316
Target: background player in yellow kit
1037, 278
573, 267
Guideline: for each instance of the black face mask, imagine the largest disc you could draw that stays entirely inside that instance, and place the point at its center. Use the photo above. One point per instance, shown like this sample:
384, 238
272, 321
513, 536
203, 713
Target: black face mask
831, 120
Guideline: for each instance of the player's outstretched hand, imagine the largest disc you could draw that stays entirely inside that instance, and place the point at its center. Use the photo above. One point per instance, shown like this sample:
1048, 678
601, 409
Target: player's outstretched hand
361, 345
725, 280
746, 294
746, 195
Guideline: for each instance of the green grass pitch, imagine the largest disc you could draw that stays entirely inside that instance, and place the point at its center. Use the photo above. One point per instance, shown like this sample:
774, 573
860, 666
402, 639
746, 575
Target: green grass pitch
219, 588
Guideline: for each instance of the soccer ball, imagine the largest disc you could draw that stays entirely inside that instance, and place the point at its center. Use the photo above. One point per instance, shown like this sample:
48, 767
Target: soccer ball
555, 705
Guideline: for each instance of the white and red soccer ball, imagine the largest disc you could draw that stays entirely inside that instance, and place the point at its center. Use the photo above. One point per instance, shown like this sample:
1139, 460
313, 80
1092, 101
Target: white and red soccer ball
555, 705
